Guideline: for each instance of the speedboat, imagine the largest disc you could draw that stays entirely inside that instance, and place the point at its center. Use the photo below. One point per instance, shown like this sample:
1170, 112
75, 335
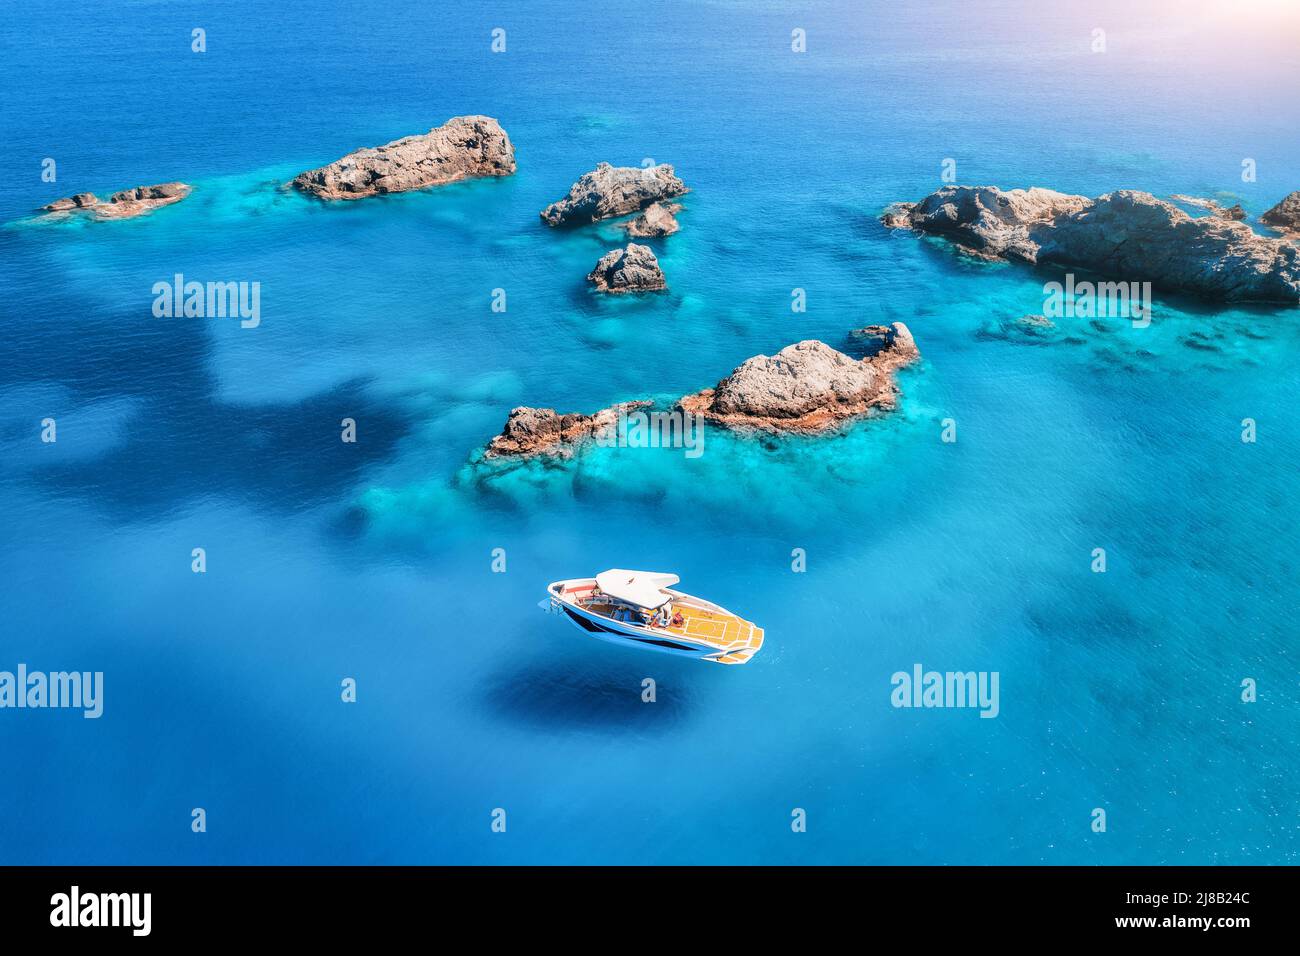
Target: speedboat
641, 609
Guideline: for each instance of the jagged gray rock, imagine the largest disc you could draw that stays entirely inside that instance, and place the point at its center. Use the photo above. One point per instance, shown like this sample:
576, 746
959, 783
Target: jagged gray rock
125, 204
609, 191
985, 220
633, 269
462, 148
1125, 234
1133, 235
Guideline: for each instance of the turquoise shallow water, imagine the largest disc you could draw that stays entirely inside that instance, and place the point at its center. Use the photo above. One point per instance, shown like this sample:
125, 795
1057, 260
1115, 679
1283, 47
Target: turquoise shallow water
1118, 690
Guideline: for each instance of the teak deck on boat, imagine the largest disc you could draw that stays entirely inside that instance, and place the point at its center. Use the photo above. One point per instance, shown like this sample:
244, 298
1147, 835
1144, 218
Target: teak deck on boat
707, 627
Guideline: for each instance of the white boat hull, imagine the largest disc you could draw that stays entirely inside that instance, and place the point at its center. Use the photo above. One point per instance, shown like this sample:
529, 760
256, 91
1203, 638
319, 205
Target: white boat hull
709, 632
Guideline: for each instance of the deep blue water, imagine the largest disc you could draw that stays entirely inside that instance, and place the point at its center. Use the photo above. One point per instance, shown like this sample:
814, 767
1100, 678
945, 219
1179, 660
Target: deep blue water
373, 561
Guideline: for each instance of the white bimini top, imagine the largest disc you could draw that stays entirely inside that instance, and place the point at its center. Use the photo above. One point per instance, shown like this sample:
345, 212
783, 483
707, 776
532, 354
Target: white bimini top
642, 588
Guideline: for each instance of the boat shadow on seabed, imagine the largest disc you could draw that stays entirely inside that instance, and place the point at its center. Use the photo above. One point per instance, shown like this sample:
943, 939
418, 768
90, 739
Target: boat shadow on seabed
602, 688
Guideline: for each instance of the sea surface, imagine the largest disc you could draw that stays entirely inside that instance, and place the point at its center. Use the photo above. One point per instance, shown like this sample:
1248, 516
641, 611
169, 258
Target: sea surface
1119, 691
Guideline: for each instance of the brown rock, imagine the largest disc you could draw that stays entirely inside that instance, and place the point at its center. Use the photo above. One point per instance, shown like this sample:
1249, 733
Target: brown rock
657, 221
147, 193
807, 387
879, 338
125, 204
543, 431
464, 147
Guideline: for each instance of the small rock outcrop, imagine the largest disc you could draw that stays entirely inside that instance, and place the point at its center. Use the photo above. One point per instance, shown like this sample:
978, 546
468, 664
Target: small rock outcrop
633, 269
125, 204
807, 387
874, 339
1126, 235
1235, 212
608, 191
657, 221
464, 147
79, 201
543, 431
1285, 216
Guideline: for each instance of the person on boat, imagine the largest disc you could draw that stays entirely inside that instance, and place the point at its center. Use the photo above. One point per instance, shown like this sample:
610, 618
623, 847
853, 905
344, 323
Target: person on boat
665, 615
678, 620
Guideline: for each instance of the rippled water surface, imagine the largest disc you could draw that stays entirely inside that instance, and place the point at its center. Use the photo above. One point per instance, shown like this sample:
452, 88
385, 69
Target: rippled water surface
373, 560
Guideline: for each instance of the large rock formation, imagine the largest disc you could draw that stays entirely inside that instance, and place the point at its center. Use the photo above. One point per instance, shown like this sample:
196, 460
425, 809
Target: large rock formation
1133, 235
634, 269
657, 221
1285, 216
807, 387
1125, 235
462, 148
543, 431
609, 191
984, 220
122, 205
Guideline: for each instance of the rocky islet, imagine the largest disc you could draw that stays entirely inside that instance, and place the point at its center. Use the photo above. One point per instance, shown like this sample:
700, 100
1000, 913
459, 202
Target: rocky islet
1125, 234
